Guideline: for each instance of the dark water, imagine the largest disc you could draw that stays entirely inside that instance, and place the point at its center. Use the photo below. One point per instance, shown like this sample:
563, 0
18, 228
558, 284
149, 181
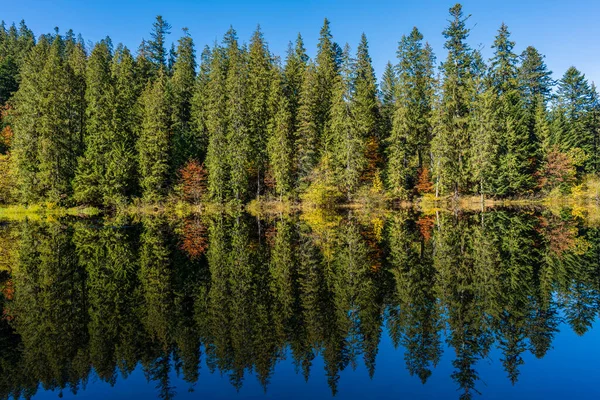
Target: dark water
495, 305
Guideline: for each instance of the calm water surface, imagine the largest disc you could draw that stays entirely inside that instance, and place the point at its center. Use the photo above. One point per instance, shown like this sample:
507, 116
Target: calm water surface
494, 305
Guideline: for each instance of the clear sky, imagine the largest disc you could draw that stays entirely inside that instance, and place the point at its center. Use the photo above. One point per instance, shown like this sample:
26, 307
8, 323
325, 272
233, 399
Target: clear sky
567, 32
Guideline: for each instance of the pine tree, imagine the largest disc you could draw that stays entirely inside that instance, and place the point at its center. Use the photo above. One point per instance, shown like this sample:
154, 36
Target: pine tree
327, 66
157, 52
121, 172
575, 98
294, 72
408, 144
280, 138
484, 141
348, 141
516, 151
259, 76
185, 143
153, 145
239, 140
26, 127
216, 123
307, 135
388, 99
451, 142
365, 111
100, 98
199, 105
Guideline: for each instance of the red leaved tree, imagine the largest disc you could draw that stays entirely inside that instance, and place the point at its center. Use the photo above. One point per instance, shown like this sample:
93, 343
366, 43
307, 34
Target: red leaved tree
192, 177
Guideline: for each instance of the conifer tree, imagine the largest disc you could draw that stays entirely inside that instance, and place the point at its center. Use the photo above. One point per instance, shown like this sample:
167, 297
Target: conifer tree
157, 51
327, 66
100, 97
575, 98
294, 71
365, 110
408, 144
484, 142
121, 172
27, 132
307, 135
199, 105
516, 151
280, 138
451, 141
388, 88
185, 144
216, 123
348, 145
239, 139
154, 142
259, 76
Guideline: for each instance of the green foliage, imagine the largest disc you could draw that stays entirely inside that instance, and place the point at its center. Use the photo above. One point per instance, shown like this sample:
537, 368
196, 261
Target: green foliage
154, 142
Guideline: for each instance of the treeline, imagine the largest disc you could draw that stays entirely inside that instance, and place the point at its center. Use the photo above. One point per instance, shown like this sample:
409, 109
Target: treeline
242, 295
103, 126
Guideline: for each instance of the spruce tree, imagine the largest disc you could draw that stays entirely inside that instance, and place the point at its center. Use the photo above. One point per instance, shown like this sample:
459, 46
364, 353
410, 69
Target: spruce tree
239, 139
307, 135
185, 144
216, 123
365, 111
575, 98
199, 106
294, 72
408, 144
484, 141
100, 98
157, 51
451, 142
388, 88
27, 129
280, 142
516, 151
348, 141
327, 66
153, 145
259, 77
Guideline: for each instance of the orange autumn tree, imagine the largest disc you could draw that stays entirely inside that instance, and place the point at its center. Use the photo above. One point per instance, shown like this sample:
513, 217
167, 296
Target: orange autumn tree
192, 179
424, 183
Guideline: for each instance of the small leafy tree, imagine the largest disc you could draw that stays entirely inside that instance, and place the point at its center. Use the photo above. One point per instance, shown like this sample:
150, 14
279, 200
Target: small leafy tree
192, 177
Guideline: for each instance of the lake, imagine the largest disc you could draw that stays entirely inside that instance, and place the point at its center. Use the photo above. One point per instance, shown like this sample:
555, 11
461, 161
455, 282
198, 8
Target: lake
345, 305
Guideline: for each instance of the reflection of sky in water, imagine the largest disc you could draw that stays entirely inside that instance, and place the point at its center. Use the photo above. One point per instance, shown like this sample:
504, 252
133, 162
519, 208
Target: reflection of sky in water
569, 370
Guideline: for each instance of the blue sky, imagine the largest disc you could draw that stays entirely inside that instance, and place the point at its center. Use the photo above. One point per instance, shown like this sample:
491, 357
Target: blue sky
568, 33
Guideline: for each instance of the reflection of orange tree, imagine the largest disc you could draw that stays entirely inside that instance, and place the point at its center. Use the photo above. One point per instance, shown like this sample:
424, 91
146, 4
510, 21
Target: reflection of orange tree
561, 235
193, 238
425, 224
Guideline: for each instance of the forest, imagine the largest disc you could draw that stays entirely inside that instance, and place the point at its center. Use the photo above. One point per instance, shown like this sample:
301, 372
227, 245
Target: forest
104, 126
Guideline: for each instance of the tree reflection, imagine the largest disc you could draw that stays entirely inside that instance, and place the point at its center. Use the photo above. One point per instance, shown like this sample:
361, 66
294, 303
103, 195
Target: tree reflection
107, 296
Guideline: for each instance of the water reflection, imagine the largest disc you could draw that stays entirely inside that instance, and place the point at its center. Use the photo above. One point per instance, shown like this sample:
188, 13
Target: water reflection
81, 296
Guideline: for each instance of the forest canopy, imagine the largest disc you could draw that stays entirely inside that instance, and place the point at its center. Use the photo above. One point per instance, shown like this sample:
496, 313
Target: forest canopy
103, 125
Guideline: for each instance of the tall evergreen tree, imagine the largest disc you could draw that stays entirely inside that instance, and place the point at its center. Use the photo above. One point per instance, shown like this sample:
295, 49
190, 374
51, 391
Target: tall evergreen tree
307, 135
154, 142
259, 77
516, 151
294, 72
239, 139
216, 123
408, 144
89, 184
185, 143
280, 144
451, 141
388, 88
327, 66
365, 110
199, 106
157, 51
